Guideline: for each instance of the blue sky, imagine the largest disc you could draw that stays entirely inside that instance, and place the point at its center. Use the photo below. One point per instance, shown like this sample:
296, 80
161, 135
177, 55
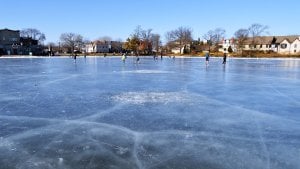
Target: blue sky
118, 18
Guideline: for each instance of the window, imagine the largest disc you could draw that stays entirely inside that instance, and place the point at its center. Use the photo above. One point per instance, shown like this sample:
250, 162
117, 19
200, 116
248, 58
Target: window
260, 46
283, 46
295, 46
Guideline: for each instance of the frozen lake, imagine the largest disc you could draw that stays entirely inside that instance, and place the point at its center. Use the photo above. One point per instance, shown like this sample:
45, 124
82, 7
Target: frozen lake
99, 113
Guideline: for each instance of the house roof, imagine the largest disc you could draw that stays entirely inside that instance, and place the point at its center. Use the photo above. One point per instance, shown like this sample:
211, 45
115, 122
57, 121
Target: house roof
100, 42
9, 30
290, 39
268, 39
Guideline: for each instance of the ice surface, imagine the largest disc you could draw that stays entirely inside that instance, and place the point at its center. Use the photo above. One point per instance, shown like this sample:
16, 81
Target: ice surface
166, 114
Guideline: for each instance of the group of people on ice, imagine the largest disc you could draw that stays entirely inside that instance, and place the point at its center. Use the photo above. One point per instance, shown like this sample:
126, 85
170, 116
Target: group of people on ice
207, 56
137, 61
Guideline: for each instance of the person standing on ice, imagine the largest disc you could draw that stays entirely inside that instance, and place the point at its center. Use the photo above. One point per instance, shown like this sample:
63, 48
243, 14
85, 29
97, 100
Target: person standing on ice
137, 59
124, 58
75, 57
224, 56
207, 58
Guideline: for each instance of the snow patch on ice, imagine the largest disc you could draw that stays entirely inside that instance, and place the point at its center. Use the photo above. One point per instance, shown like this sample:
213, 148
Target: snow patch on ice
148, 72
9, 98
4, 143
150, 97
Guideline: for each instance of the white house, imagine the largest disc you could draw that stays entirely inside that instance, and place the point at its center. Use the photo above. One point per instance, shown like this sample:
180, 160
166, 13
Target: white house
278, 44
225, 44
177, 50
103, 47
290, 46
285, 47
98, 47
295, 47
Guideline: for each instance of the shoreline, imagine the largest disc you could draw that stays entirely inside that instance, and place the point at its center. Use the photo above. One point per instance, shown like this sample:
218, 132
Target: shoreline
165, 57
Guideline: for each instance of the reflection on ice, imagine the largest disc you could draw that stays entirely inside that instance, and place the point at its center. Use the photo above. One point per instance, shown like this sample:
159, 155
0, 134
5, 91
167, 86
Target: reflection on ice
158, 115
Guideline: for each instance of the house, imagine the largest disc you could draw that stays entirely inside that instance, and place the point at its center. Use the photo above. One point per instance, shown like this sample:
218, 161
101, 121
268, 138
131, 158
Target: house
295, 46
116, 47
177, 50
103, 47
262, 43
289, 45
226, 43
29, 46
97, 47
278, 44
9, 41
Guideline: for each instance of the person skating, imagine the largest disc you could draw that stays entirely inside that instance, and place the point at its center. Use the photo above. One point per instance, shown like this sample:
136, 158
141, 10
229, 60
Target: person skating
224, 58
75, 57
123, 58
207, 57
137, 60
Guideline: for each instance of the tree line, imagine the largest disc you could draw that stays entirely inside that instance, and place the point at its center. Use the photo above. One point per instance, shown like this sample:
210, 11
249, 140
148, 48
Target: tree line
145, 42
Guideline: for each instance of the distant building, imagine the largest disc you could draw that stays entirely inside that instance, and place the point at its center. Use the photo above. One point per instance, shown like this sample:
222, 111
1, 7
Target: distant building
278, 44
97, 47
24, 41
289, 45
178, 48
29, 46
226, 43
116, 47
9, 41
12, 44
104, 47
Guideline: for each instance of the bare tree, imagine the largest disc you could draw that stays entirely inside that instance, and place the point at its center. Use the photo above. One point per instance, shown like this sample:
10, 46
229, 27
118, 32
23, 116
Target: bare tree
156, 43
141, 41
137, 33
72, 41
147, 34
209, 37
33, 34
255, 31
215, 36
145, 37
146, 41
219, 35
180, 37
241, 36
